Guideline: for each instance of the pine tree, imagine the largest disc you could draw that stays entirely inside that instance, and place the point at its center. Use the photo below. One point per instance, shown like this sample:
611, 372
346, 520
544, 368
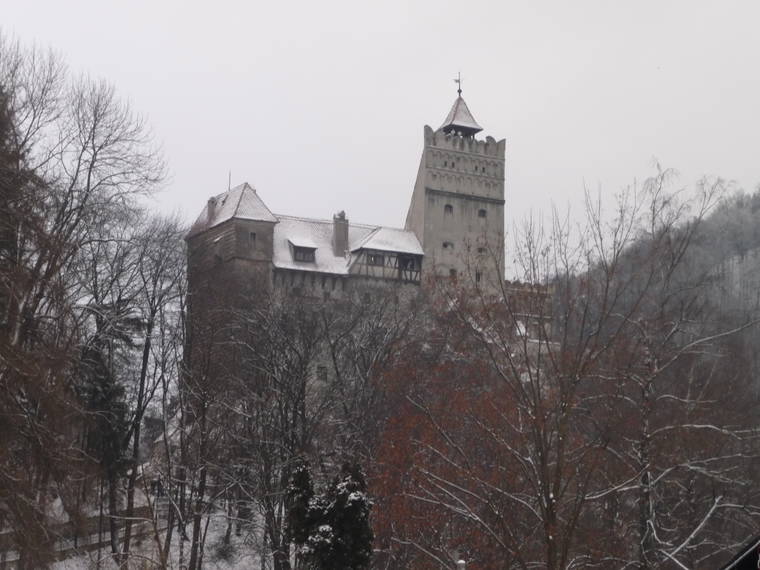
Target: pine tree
300, 494
332, 529
349, 518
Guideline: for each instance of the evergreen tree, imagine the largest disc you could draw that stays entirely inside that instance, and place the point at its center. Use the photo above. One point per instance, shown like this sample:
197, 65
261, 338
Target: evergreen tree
332, 528
300, 495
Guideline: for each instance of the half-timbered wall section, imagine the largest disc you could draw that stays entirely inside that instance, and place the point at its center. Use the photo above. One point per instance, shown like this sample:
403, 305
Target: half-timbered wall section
388, 265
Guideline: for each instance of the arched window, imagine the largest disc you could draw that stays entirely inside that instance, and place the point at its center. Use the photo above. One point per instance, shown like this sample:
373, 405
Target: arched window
448, 210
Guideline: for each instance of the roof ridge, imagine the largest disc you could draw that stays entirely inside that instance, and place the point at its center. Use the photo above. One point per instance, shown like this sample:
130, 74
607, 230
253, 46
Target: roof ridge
324, 221
353, 224
240, 198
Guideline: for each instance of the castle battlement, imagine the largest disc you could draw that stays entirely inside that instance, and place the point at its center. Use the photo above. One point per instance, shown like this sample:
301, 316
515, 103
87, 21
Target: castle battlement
469, 144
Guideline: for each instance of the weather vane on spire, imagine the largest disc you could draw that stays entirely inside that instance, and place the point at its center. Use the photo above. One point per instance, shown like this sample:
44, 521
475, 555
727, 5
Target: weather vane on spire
458, 81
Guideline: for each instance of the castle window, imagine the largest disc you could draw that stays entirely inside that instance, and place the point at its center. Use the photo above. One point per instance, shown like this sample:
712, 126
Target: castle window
445, 163
478, 276
453, 273
481, 250
322, 373
448, 210
409, 268
304, 253
448, 245
482, 213
252, 236
375, 259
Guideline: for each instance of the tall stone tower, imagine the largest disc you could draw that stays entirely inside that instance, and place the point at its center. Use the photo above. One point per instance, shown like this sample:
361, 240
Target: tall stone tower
457, 207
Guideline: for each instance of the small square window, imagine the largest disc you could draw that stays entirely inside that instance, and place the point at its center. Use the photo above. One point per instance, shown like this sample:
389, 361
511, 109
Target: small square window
482, 213
452, 273
448, 245
375, 259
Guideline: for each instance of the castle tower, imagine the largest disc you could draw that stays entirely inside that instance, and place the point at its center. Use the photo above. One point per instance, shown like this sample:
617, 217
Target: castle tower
457, 207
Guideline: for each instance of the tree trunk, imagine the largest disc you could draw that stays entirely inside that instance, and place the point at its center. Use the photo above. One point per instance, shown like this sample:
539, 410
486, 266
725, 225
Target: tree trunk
136, 434
645, 490
112, 523
194, 563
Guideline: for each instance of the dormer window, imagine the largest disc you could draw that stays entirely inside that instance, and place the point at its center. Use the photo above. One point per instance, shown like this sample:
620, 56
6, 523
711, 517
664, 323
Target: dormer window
303, 253
303, 249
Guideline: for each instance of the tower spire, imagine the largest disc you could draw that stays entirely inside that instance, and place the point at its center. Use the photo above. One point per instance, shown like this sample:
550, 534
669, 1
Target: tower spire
459, 119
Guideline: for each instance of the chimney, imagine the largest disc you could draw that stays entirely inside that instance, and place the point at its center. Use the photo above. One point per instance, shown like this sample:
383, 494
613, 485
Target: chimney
340, 233
211, 209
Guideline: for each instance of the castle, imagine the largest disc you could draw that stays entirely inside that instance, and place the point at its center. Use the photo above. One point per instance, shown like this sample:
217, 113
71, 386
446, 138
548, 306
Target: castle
454, 229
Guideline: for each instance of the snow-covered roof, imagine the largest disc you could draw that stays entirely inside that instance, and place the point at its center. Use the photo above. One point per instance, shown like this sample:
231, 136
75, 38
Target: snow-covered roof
289, 231
302, 241
319, 233
239, 202
391, 239
460, 119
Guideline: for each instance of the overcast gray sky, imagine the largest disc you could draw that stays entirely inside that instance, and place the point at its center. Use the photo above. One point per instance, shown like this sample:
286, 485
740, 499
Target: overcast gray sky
320, 105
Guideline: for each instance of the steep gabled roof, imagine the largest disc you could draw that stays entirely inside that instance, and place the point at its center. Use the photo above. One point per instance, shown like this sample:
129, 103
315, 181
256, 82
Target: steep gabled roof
460, 119
239, 202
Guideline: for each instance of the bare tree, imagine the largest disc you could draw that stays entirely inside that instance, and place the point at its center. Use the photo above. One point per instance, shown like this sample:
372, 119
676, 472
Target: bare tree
78, 158
556, 404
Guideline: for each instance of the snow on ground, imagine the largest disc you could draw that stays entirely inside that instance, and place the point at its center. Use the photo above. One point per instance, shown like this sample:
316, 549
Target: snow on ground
242, 554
